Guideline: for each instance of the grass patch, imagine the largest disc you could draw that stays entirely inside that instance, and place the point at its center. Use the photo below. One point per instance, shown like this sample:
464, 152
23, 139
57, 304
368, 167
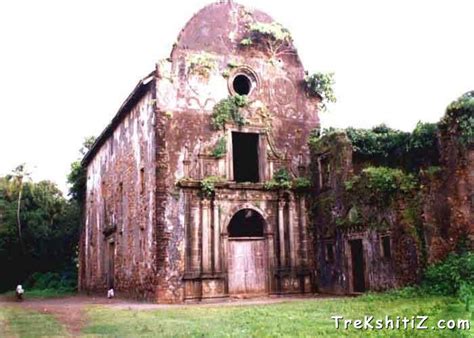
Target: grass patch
296, 318
18, 322
43, 293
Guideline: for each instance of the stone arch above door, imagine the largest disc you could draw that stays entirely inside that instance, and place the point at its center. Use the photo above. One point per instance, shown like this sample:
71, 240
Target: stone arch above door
246, 223
234, 210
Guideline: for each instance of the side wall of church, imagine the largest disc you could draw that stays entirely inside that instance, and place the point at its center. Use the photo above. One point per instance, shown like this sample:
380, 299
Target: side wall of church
119, 238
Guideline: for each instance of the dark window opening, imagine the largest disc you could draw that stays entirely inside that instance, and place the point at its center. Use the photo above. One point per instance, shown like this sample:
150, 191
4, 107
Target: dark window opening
142, 180
246, 223
245, 155
386, 250
329, 253
242, 84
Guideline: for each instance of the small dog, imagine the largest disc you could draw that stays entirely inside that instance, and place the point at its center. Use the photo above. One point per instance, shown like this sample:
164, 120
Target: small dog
110, 293
19, 293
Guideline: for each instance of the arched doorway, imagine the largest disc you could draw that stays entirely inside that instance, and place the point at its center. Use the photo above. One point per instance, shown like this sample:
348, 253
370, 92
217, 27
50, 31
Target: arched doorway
247, 263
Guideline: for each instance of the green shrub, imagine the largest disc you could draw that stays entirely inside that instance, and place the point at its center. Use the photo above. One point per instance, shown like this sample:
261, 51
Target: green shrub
321, 84
380, 184
281, 180
453, 276
460, 116
301, 183
208, 185
228, 110
220, 149
66, 280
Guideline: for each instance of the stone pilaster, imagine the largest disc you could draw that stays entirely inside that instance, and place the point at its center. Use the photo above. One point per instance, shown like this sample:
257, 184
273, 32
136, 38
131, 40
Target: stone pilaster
206, 236
217, 237
281, 232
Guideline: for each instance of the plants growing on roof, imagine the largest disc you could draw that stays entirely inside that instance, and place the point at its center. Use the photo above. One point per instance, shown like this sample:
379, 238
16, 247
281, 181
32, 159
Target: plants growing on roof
321, 84
379, 185
275, 38
228, 110
460, 116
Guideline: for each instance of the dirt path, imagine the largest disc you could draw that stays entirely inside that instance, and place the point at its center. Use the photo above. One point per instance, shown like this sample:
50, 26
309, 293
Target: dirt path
71, 311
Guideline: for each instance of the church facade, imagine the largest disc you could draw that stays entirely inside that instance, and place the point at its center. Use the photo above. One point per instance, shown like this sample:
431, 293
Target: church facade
183, 201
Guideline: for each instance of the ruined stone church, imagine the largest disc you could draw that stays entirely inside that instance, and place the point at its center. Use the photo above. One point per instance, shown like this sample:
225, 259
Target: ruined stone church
176, 206
204, 184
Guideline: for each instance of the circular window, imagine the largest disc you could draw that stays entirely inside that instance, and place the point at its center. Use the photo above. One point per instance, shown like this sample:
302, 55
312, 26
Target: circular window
243, 81
242, 84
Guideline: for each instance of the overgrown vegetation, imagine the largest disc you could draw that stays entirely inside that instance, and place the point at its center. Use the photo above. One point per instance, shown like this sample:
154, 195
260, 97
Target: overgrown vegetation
202, 64
454, 276
39, 230
384, 146
220, 148
321, 85
282, 180
228, 110
274, 38
459, 118
208, 185
380, 185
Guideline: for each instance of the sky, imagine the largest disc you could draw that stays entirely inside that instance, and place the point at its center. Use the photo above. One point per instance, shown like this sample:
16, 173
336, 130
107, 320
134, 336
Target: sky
67, 66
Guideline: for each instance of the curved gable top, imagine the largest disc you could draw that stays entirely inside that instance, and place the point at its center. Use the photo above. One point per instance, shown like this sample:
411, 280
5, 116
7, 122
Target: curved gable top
219, 28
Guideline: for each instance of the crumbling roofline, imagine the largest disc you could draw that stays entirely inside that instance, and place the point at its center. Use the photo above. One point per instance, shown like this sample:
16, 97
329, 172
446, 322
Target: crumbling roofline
140, 89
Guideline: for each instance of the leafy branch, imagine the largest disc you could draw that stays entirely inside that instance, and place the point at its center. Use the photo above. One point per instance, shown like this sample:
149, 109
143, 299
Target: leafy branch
276, 38
321, 84
228, 110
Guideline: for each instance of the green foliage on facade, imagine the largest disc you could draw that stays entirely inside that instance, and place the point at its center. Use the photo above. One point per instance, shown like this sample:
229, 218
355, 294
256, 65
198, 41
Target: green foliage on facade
220, 148
202, 64
273, 32
382, 181
459, 118
272, 37
282, 180
301, 183
228, 110
385, 146
208, 185
321, 85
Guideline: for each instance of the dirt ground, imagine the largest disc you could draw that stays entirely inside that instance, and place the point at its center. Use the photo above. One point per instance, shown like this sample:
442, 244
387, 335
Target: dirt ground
70, 311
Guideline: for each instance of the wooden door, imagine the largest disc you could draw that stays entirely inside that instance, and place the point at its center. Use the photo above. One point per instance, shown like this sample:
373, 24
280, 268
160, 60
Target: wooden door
247, 266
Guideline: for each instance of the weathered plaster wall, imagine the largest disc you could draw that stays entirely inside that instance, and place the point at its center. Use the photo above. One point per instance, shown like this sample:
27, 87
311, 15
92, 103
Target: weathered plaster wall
120, 206
449, 203
336, 222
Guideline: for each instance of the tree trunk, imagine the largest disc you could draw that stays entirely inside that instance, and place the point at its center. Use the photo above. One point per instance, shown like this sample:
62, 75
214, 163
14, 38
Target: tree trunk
18, 220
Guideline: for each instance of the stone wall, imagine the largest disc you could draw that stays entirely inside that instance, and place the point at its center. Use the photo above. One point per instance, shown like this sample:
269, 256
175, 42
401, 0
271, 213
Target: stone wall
337, 221
427, 215
120, 207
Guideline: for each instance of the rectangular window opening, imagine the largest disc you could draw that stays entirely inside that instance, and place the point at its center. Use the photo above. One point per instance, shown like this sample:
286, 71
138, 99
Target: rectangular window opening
142, 180
329, 253
245, 157
386, 250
